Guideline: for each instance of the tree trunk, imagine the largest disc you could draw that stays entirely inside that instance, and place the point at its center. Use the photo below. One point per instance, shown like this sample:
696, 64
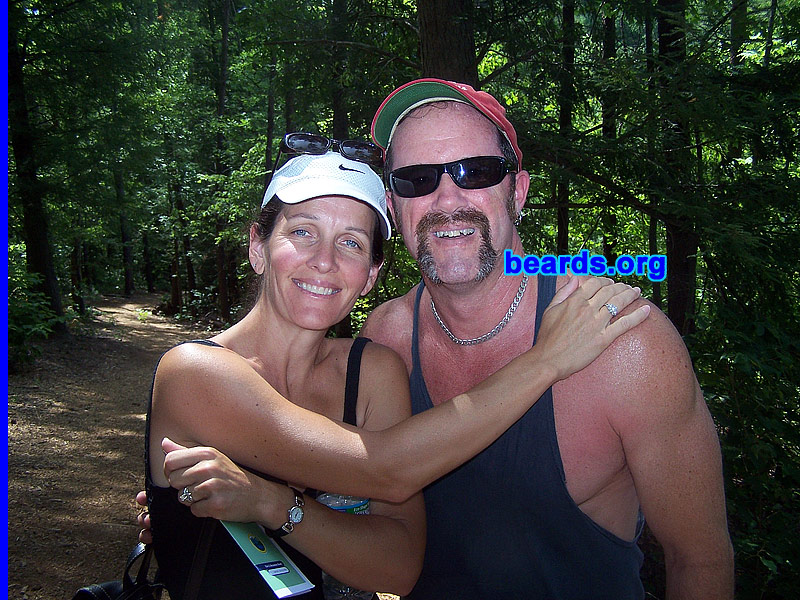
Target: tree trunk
682, 245
180, 208
651, 86
609, 98
235, 257
288, 110
89, 275
175, 289
38, 246
175, 295
652, 241
220, 166
610, 241
566, 106
223, 296
127, 252
447, 40
770, 32
76, 278
738, 37
338, 28
125, 233
222, 77
681, 237
268, 161
147, 261
739, 33
191, 282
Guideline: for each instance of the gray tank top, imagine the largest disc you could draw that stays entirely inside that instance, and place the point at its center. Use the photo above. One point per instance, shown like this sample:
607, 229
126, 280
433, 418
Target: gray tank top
503, 525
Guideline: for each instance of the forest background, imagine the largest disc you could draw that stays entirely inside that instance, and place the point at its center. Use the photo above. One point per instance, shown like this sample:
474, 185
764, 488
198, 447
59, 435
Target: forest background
142, 133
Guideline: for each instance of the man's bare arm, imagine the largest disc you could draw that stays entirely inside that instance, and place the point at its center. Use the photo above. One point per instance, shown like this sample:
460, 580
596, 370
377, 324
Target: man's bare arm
673, 453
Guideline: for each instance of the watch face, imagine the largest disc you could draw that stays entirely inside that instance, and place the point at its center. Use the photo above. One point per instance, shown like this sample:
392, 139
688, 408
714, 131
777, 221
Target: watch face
295, 514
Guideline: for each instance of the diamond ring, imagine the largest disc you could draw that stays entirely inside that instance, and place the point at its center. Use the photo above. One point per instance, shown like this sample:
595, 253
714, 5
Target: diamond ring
186, 496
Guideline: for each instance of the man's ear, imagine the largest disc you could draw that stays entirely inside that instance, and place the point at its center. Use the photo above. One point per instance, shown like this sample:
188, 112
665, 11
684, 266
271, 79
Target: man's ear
256, 251
521, 185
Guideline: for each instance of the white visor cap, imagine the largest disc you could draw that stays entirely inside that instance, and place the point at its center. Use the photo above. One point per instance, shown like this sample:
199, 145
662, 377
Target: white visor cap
310, 176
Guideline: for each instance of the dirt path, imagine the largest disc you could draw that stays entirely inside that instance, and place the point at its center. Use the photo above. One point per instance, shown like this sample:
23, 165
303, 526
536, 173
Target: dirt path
75, 440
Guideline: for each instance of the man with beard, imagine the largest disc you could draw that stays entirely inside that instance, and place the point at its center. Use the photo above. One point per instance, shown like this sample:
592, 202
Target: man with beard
555, 507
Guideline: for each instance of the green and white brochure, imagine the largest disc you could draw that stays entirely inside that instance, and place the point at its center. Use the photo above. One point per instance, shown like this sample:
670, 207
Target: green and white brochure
277, 569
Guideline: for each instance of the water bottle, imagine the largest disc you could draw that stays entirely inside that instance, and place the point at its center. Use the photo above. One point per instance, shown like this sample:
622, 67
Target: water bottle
333, 589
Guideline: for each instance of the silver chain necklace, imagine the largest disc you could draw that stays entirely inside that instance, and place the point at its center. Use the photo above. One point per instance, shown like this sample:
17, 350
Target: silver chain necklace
497, 329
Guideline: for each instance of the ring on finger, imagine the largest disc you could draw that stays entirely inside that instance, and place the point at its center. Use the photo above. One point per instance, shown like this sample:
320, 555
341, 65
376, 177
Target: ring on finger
612, 308
186, 496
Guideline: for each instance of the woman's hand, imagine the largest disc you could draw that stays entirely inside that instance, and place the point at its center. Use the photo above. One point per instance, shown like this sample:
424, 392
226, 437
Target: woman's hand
576, 326
218, 488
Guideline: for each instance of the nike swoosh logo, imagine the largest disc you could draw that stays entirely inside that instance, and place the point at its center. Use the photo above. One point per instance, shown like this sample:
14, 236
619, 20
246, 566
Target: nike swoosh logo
343, 168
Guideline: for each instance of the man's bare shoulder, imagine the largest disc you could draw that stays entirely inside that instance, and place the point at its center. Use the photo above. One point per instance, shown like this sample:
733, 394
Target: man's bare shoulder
655, 343
391, 323
647, 370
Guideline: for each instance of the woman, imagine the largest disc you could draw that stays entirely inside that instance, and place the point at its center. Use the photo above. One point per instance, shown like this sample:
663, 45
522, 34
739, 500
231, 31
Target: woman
318, 251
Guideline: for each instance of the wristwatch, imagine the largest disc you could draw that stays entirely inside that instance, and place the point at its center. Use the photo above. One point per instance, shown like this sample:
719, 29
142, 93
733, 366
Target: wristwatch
294, 515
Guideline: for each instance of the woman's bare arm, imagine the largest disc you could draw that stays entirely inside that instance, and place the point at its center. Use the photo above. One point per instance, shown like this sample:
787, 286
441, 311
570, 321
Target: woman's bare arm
246, 418
380, 551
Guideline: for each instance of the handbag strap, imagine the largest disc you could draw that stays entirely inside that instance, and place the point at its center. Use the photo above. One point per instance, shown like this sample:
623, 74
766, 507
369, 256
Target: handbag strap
195, 578
145, 551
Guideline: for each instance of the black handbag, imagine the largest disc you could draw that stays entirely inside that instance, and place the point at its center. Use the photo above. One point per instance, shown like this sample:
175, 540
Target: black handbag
140, 588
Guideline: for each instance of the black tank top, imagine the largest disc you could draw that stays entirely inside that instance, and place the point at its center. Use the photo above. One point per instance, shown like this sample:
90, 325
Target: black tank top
229, 575
503, 525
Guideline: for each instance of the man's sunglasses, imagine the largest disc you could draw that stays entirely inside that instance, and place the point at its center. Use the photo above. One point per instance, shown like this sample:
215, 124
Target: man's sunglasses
311, 143
473, 173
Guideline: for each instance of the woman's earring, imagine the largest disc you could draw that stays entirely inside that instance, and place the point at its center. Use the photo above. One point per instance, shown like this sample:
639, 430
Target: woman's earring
518, 220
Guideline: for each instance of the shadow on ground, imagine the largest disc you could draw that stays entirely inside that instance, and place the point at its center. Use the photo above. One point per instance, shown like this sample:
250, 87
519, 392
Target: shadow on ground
75, 433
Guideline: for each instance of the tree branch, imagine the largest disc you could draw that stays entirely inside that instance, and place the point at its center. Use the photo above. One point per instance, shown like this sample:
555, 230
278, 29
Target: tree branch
511, 63
627, 198
359, 45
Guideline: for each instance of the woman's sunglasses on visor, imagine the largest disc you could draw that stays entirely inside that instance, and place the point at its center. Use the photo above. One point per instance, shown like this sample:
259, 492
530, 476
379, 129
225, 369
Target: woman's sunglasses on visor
312, 143
473, 173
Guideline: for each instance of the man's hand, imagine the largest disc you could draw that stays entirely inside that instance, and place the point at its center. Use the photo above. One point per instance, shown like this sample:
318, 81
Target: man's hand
145, 535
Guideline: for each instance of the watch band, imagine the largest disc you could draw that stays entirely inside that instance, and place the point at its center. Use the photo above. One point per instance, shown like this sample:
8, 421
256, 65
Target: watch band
294, 515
